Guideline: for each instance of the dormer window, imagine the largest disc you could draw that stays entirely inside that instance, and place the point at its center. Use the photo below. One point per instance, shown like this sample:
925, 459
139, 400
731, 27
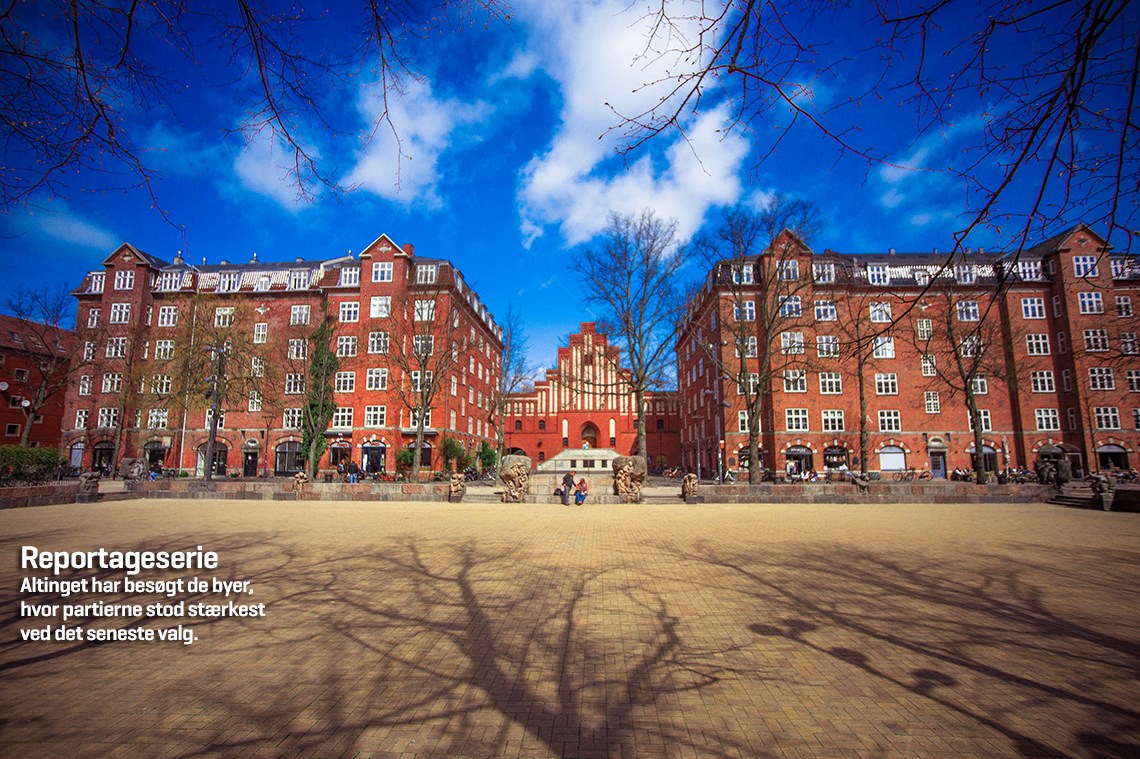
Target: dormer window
426, 274
789, 271
96, 285
878, 274
349, 276
262, 284
170, 280
823, 273
298, 280
228, 282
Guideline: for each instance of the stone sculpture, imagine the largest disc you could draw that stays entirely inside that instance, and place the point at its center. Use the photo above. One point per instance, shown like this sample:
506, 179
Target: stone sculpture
689, 486
89, 483
299, 479
132, 470
629, 478
457, 488
515, 475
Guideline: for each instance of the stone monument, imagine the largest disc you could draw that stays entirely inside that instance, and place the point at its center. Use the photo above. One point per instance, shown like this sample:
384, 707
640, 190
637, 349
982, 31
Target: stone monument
629, 478
515, 476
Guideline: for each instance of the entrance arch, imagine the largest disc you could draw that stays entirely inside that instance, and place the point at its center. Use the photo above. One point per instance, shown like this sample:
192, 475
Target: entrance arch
590, 435
892, 458
221, 452
1111, 456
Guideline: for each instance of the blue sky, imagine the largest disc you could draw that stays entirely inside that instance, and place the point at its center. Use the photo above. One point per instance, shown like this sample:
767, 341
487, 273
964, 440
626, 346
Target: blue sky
510, 165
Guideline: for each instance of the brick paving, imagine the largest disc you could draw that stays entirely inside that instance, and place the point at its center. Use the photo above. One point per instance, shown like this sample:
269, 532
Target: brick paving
413, 630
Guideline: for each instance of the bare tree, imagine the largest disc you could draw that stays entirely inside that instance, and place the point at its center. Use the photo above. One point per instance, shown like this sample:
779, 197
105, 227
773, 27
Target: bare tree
514, 376
634, 276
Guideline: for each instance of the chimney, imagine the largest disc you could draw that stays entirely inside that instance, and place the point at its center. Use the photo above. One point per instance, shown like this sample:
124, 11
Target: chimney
178, 258
300, 260
225, 262
409, 249
892, 251
253, 260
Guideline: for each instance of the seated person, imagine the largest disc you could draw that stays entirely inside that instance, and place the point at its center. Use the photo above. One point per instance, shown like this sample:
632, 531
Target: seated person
580, 492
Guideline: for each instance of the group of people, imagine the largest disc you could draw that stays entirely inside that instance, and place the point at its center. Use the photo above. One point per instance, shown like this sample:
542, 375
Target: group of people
349, 470
579, 488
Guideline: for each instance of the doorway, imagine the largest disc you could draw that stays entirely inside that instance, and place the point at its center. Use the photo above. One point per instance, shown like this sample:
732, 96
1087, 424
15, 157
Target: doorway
938, 465
249, 464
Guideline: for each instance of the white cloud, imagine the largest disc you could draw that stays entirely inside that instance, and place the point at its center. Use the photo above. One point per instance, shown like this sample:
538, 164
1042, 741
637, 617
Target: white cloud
597, 55
266, 166
401, 160
63, 225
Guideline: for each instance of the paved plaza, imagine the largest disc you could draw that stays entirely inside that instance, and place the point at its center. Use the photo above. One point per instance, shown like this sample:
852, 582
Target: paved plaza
479, 630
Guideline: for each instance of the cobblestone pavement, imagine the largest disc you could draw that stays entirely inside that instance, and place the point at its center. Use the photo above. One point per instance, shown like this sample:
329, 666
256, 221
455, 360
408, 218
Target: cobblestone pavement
411, 630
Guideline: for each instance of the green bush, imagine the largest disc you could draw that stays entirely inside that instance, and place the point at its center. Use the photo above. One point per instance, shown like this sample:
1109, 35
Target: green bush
27, 466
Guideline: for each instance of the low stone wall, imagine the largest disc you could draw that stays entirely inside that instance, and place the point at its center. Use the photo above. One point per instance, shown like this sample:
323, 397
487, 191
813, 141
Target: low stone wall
941, 491
1126, 498
19, 496
283, 490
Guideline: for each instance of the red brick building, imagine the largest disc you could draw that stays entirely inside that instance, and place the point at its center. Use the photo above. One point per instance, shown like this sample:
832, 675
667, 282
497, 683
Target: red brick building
35, 361
407, 331
585, 402
884, 355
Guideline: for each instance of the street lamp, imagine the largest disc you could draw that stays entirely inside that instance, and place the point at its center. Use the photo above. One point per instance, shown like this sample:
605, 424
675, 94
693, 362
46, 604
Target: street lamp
215, 381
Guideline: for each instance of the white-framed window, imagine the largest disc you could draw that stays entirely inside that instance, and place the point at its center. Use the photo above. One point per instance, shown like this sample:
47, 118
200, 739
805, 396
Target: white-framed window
224, 316
415, 379
883, 347
260, 332
1048, 419
454, 385
825, 311
929, 364
827, 346
426, 274
1072, 414
116, 347
376, 378
1037, 344
833, 420
263, 283
1033, 308
415, 416
750, 346
742, 275
350, 311
791, 343
790, 306
380, 306
971, 346
382, 271
745, 311
984, 416
85, 384
968, 311
881, 312
830, 383
1096, 340
108, 418
933, 402
1042, 382
228, 282
890, 420
298, 349
886, 383
1101, 378
1123, 305
294, 383
89, 350
1120, 268
170, 280
120, 313
291, 419
795, 381
254, 401
1090, 303
160, 384
1134, 380
378, 342
925, 329
344, 382
1106, 417
298, 280
97, 282
878, 274
349, 276
753, 386
966, 274
788, 271
1136, 418
424, 310
93, 317
345, 346
81, 416
163, 350
156, 419
1128, 343
1066, 380
342, 418
112, 382
1029, 271
124, 280
300, 315
375, 416
424, 345
168, 316
795, 420
823, 273
979, 385
1085, 266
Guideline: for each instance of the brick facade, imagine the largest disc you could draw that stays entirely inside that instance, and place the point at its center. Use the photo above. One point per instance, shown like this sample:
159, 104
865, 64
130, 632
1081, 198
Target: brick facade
27, 349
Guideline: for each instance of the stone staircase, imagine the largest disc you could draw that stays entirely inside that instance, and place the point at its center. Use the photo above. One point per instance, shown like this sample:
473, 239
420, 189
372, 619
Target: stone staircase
1075, 495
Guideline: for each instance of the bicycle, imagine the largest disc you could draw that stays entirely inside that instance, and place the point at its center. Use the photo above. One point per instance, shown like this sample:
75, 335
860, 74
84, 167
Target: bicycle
906, 475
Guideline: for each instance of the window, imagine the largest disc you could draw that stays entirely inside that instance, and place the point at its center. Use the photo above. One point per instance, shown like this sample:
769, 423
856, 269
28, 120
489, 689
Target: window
929, 365
108, 418
1096, 340
1033, 308
342, 418
742, 275
425, 274
823, 273
922, 277
1090, 303
93, 318
1066, 380
424, 345
378, 342
415, 415
1037, 345
933, 402
1101, 378
1048, 419
795, 419
792, 343
883, 347
968, 311
298, 349
984, 416
890, 421
349, 276
1057, 306
124, 280
382, 271
1072, 414
1136, 418
260, 332
424, 310
380, 306
350, 311
228, 282
81, 418
298, 280
299, 315
224, 316
795, 381
1127, 343
1123, 305
344, 382
116, 347
416, 386
833, 420
375, 416
97, 282
346, 346
881, 313
745, 311
167, 316
979, 385
825, 311
376, 379
120, 313
750, 349
830, 383
878, 274
1134, 380
1107, 417
790, 306
262, 284
291, 419
1120, 267
925, 329
160, 384
1085, 266
886, 383
966, 274
827, 346
971, 347
753, 384
156, 419
85, 384
254, 401
788, 271
89, 351
294, 384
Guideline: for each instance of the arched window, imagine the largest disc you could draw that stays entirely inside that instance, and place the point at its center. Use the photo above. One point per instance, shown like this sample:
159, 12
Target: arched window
518, 425
542, 424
